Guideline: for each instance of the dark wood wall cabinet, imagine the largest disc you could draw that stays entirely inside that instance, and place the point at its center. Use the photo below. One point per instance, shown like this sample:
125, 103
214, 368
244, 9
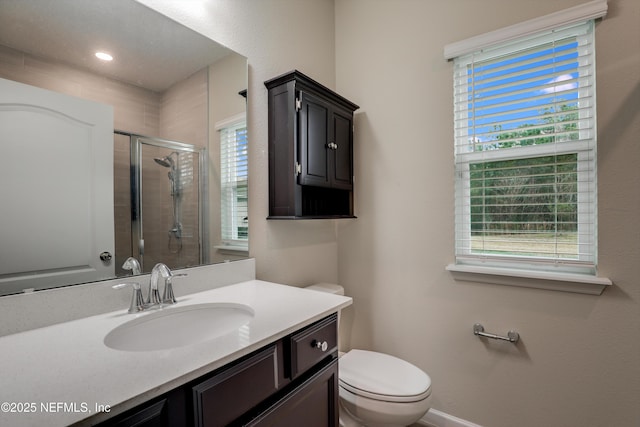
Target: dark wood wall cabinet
310, 150
291, 382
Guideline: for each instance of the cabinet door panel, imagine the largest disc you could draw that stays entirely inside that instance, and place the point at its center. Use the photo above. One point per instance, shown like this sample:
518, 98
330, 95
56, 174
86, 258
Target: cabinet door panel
151, 416
313, 404
226, 396
314, 124
342, 172
166, 411
282, 153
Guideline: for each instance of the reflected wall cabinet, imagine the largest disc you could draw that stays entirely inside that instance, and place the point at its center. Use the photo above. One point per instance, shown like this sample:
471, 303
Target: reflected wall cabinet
310, 150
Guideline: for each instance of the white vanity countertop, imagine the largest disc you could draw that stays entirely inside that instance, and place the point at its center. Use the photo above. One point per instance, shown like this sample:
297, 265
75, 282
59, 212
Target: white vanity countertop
60, 374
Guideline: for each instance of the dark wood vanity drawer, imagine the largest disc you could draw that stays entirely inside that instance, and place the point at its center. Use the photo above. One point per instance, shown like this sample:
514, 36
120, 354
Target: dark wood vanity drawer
313, 344
227, 395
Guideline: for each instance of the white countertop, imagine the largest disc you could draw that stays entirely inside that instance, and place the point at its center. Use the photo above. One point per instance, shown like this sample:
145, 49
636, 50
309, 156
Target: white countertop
58, 375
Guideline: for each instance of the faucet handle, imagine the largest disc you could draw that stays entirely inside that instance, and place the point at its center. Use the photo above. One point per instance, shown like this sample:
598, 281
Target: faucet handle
137, 302
168, 297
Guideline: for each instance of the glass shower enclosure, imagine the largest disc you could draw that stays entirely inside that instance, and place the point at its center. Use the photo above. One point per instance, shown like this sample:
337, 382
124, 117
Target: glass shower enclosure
160, 208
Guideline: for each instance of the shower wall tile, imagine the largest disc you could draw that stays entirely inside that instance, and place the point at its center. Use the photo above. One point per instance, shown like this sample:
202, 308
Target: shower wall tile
55, 77
184, 112
152, 117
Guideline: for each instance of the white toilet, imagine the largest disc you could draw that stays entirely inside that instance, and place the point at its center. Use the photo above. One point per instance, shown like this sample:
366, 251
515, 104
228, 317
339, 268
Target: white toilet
377, 389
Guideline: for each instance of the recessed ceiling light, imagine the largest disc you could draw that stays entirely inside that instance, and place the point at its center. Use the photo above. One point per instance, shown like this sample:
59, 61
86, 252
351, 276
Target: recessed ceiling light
104, 56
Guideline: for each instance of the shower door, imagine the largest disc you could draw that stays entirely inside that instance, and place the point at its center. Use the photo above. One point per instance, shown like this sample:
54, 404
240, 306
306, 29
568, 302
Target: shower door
167, 203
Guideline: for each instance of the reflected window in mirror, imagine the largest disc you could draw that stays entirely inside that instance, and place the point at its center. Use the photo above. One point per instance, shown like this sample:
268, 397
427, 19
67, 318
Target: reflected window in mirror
233, 183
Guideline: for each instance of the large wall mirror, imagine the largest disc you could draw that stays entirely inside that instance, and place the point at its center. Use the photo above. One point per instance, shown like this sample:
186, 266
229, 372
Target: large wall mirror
143, 155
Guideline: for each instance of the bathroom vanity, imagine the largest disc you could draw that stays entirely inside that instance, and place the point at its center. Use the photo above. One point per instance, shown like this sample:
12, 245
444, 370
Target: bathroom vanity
280, 368
290, 382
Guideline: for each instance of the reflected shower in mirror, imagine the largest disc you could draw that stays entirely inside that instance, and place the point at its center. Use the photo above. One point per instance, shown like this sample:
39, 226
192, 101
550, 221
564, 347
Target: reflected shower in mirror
163, 198
173, 94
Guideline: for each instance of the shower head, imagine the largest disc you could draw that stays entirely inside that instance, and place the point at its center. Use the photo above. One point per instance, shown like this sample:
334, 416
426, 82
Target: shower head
167, 161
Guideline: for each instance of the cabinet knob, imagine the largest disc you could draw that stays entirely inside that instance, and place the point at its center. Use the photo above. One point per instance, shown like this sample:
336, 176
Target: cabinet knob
322, 345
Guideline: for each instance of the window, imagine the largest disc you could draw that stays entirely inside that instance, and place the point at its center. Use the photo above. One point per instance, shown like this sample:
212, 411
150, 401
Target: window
525, 152
233, 184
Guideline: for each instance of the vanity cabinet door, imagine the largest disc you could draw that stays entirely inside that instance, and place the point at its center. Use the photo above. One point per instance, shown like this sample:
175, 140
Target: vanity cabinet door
313, 404
229, 394
154, 415
167, 411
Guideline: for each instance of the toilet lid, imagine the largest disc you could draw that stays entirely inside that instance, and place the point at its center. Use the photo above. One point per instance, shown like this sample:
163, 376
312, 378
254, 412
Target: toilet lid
382, 377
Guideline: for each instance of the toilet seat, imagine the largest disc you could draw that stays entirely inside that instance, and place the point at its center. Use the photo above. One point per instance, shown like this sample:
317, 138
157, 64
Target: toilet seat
382, 377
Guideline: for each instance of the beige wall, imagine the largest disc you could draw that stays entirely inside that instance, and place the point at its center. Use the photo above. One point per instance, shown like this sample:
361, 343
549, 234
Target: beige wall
184, 110
578, 364
227, 77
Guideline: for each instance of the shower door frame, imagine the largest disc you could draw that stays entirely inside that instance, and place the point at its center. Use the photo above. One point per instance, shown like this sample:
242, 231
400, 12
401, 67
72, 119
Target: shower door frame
137, 236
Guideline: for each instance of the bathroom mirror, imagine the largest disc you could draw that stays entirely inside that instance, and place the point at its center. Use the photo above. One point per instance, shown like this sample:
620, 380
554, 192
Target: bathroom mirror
177, 172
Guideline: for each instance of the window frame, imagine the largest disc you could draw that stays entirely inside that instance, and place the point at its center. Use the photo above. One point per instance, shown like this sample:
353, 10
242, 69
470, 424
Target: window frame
520, 271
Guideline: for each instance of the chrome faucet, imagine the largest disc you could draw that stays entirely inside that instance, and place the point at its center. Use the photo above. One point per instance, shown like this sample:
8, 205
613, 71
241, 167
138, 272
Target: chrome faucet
161, 270
132, 264
153, 298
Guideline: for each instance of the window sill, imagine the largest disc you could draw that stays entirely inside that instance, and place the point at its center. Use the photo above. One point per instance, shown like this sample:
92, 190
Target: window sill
232, 249
566, 282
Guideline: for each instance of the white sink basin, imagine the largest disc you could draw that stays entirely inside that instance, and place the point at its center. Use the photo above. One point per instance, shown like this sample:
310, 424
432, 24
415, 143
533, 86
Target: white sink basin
178, 326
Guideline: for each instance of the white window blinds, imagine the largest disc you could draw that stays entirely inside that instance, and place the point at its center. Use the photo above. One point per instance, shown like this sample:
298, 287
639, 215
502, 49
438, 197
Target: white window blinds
233, 184
525, 151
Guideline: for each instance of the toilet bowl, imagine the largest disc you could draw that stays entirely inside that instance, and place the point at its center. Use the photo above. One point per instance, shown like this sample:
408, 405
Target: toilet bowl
377, 389
380, 390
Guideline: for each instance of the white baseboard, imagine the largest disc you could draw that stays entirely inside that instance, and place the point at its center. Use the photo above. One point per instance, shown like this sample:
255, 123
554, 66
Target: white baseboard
435, 418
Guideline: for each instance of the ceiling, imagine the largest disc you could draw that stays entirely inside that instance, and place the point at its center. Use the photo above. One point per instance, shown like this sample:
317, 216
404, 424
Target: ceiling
139, 39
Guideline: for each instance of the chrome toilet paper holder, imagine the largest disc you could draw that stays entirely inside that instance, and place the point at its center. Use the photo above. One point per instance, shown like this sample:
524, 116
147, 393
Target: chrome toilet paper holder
512, 336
